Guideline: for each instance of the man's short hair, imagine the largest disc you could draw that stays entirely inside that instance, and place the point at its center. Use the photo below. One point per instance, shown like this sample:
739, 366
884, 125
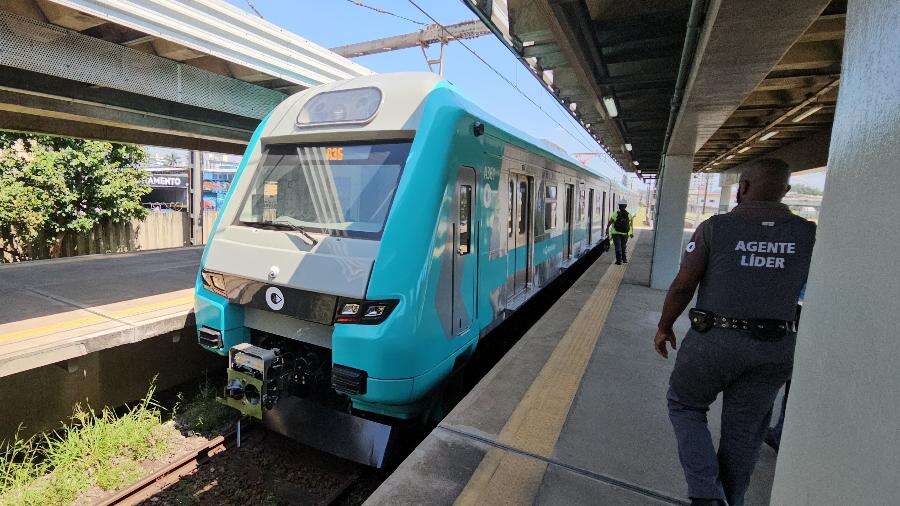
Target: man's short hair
767, 176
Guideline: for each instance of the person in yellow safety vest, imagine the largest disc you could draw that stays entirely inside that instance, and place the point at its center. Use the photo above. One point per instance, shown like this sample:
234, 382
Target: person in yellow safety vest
622, 224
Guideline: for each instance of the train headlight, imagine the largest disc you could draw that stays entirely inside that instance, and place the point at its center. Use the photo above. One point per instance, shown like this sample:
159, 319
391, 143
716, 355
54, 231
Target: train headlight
341, 107
375, 311
350, 309
368, 312
213, 281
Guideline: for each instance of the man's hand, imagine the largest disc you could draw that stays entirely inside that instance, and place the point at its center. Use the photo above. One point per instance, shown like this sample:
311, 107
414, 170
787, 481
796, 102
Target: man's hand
664, 335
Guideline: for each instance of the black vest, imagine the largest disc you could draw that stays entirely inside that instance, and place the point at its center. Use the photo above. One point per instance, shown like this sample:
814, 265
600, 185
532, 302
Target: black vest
758, 262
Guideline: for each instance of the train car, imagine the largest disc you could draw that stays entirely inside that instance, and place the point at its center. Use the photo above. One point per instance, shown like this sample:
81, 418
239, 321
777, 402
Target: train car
376, 230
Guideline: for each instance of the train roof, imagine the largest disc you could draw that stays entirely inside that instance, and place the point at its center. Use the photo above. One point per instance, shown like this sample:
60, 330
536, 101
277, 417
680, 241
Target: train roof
403, 98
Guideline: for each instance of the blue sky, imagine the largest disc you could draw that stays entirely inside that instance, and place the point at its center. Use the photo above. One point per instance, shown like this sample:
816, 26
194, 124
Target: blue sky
331, 23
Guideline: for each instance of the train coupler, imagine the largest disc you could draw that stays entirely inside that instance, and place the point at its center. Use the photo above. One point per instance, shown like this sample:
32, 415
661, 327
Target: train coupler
253, 379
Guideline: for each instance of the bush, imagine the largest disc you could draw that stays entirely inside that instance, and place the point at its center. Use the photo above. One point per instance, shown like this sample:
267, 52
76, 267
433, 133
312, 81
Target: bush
50, 186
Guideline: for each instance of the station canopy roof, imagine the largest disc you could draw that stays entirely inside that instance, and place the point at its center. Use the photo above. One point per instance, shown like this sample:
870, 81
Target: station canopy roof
616, 65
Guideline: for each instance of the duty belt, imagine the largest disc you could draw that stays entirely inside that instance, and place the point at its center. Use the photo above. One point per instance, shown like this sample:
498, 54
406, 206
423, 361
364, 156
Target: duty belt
759, 328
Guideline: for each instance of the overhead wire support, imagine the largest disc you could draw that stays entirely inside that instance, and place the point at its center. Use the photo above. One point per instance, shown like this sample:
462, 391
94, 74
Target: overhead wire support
431, 34
488, 65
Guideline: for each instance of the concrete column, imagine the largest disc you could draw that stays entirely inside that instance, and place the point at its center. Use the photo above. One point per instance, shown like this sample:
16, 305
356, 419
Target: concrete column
840, 443
196, 196
671, 204
724, 198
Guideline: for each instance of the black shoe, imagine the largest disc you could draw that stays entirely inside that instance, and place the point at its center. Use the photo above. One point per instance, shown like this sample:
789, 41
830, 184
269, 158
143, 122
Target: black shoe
618, 262
771, 440
696, 501
624, 261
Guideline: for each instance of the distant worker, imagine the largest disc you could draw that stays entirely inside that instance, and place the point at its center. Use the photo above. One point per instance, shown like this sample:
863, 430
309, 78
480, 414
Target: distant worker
622, 224
750, 265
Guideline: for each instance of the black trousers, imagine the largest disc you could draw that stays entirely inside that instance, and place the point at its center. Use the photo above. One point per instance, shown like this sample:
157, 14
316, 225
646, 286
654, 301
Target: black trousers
621, 243
748, 373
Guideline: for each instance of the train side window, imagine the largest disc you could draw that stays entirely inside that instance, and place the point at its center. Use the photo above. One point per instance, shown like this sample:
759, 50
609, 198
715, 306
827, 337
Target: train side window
581, 205
603, 210
523, 206
465, 218
512, 206
550, 208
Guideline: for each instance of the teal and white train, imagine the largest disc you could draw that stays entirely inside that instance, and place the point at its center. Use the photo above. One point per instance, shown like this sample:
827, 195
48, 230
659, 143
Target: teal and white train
376, 230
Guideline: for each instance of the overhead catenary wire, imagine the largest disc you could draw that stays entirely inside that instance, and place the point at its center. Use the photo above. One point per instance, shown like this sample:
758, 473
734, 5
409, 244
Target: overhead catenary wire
379, 10
482, 60
254, 9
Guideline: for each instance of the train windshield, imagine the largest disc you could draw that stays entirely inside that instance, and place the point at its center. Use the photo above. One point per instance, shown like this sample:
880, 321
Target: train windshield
335, 189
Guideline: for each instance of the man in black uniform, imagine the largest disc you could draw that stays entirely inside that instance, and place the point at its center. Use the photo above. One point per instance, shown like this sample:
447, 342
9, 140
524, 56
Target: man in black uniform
750, 265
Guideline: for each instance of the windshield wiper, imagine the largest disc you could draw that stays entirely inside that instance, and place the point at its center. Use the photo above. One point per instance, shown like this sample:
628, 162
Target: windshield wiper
282, 224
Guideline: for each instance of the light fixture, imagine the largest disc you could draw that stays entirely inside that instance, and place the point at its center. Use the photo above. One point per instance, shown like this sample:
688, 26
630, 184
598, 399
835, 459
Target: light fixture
715, 163
628, 146
573, 106
744, 149
769, 135
809, 112
610, 105
636, 162
729, 157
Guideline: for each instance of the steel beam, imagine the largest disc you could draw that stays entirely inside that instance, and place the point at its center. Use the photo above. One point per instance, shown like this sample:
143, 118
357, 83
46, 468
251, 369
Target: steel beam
217, 28
18, 122
49, 50
432, 34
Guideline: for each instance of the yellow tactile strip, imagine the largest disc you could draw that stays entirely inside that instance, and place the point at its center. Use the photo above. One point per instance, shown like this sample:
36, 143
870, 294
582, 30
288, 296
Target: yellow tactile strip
100, 314
503, 477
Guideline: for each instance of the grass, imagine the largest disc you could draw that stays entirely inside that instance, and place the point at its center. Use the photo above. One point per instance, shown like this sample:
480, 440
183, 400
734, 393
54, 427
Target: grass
203, 414
95, 450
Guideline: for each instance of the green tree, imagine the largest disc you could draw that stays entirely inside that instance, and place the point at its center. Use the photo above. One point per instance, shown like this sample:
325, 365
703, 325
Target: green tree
805, 190
51, 186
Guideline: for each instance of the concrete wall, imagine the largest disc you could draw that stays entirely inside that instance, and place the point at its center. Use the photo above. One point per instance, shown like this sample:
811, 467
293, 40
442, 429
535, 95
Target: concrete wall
841, 442
158, 230
42, 399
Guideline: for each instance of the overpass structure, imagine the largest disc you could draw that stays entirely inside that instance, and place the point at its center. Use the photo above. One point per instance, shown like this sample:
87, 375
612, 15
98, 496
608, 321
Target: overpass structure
674, 87
196, 74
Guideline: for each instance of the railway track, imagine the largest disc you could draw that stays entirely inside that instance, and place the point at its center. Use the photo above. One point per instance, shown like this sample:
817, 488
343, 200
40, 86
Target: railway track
155, 484
172, 473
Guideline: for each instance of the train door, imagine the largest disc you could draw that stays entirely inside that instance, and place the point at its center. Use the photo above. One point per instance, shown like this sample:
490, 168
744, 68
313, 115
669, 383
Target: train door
603, 213
570, 207
519, 233
590, 211
465, 257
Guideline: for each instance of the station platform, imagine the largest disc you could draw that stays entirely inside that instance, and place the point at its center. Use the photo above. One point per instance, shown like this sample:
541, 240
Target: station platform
57, 310
574, 413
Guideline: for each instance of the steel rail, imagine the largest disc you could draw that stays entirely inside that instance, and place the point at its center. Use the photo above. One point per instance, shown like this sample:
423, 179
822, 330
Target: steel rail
159, 480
